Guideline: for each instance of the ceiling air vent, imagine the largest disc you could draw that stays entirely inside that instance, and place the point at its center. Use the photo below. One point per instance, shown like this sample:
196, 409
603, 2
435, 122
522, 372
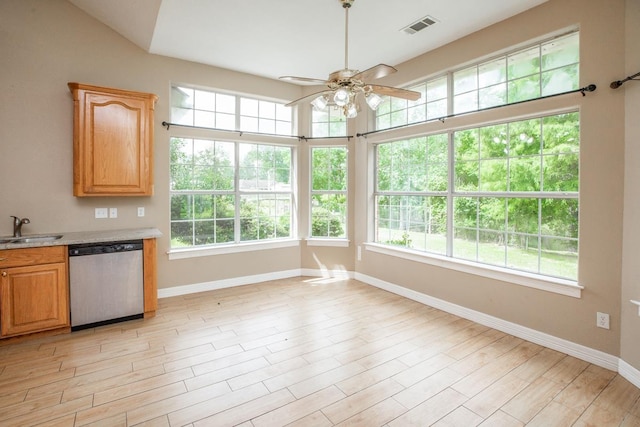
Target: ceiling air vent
420, 25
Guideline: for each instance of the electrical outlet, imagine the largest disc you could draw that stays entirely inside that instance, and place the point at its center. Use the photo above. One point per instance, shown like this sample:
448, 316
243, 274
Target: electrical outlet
141, 211
113, 212
602, 320
102, 213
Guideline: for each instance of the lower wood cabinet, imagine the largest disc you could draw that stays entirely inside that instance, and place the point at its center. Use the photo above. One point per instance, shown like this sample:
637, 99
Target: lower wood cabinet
34, 291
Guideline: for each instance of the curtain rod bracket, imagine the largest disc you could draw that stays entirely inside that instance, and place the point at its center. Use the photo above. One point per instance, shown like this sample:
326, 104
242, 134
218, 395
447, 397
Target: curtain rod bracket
617, 83
167, 125
589, 88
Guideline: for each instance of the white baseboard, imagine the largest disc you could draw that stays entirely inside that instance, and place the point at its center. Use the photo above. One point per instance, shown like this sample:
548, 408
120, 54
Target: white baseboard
336, 274
226, 283
248, 280
581, 352
587, 354
630, 373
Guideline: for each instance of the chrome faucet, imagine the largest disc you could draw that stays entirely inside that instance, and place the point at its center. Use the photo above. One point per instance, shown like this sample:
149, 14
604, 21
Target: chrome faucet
17, 225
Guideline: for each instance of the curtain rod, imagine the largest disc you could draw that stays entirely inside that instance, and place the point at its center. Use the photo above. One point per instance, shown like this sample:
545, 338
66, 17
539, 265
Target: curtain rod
583, 90
242, 132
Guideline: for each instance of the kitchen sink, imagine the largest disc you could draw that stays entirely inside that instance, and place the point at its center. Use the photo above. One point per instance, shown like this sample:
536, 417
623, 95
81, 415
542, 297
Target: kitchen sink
30, 239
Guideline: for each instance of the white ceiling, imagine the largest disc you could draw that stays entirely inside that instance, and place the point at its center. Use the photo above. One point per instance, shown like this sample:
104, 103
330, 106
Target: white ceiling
273, 38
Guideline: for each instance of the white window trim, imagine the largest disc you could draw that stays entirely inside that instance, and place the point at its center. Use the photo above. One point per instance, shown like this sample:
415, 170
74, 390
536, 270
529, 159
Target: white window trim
535, 281
200, 251
327, 241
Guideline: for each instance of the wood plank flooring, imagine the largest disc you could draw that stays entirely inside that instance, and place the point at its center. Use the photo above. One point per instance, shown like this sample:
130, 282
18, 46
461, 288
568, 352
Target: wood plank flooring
303, 352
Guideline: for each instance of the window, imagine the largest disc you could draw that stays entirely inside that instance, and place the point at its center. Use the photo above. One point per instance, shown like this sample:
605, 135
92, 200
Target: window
229, 192
509, 200
543, 69
431, 105
202, 108
328, 123
411, 193
329, 192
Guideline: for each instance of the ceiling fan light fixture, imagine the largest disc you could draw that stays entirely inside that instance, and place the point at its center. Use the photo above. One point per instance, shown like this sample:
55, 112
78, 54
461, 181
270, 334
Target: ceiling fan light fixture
373, 100
341, 97
346, 85
320, 103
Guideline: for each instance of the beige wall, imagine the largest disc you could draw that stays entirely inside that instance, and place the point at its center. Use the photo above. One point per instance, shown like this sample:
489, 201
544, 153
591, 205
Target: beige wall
47, 43
601, 26
630, 344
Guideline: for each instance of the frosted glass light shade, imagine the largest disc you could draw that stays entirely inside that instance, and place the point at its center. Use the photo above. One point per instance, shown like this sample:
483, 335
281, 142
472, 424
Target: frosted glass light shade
341, 97
320, 103
373, 101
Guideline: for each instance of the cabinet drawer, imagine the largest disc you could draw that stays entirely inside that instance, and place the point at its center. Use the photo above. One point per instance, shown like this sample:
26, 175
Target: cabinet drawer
32, 256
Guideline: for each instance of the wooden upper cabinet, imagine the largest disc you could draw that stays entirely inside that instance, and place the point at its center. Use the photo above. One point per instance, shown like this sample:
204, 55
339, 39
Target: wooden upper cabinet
112, 141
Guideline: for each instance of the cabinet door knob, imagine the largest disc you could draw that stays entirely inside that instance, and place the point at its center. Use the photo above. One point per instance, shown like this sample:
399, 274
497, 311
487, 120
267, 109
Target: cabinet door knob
4, 274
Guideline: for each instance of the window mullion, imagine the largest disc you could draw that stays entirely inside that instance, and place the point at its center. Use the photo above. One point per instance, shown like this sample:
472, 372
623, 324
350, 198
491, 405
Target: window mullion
450, 189
236, 185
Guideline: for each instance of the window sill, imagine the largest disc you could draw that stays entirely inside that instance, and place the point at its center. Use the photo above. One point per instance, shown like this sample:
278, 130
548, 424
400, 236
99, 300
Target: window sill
193, 252
319, 241
549, 284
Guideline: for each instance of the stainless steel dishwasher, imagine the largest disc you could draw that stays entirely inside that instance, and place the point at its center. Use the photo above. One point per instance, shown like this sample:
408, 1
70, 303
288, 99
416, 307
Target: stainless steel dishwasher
105, 283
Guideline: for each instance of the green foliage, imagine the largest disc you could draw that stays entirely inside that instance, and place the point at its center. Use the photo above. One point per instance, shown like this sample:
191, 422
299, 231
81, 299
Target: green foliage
203, 203
404, 241
329, 166
324, 224
528, 156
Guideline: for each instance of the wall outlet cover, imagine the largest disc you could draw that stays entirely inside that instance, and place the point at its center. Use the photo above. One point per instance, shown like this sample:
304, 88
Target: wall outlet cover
113, 212
602, 320
141, 211
102, 213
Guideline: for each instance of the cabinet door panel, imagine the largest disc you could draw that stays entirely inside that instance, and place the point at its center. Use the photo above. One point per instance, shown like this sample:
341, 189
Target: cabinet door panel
116, 143
34, 298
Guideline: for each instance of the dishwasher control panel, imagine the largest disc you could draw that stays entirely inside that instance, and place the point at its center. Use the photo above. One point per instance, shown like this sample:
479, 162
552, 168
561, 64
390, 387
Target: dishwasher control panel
104, 248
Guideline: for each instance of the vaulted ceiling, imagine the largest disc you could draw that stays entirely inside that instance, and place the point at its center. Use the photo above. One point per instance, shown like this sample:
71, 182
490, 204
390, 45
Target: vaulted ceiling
272, 38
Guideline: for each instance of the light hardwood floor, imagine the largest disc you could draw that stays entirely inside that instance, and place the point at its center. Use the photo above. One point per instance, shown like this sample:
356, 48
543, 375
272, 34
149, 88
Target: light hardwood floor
303, 352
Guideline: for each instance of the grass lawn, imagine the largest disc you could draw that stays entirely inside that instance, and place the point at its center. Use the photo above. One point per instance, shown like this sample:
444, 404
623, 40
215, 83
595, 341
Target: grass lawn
562, 265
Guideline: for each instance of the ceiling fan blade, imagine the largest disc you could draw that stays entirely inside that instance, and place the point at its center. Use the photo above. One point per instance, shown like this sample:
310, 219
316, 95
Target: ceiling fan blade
396, 92
376, 72
303, 79
312, 95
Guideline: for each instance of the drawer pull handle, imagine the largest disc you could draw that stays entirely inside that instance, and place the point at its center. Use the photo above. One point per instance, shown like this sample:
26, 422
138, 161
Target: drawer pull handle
3, 259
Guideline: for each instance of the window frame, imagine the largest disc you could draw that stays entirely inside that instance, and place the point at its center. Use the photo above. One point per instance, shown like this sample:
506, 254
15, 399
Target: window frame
190, 131
469, 120
549, 283
423, 85
238, 193
238, 112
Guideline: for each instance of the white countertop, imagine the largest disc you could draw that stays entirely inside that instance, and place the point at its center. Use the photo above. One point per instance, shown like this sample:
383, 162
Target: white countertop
79, 237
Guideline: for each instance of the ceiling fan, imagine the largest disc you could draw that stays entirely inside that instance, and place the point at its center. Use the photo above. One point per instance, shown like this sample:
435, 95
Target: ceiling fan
344, 86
